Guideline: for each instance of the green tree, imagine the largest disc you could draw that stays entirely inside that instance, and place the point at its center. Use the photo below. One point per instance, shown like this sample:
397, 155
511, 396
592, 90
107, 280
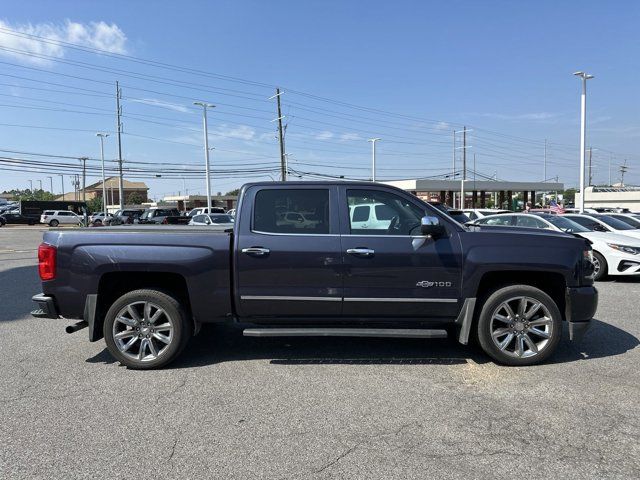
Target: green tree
569, 195
235, 192
28, 194
134, 199
95, 204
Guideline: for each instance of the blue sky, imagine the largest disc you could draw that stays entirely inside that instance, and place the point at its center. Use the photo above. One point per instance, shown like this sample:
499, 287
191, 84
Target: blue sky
418, 69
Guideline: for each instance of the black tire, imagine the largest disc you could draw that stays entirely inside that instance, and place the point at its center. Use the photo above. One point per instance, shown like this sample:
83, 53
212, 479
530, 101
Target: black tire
175, 314
512, 294
601, 266
54, 223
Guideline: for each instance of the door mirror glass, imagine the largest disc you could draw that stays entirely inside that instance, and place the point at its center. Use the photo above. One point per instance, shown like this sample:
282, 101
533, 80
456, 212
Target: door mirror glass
431, 226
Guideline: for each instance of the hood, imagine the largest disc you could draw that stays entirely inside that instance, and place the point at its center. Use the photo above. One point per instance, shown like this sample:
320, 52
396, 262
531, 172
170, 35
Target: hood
610, 237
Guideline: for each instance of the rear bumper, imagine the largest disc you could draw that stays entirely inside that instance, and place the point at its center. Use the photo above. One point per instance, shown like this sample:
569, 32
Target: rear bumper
581, 305
46, 307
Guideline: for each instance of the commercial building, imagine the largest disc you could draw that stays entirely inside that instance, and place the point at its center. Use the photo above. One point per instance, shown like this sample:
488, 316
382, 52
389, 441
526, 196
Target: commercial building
187, 202
94, 190
615, 196
477, 192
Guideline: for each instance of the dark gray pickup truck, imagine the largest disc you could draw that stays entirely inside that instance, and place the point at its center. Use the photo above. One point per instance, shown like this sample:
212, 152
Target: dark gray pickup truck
320, 259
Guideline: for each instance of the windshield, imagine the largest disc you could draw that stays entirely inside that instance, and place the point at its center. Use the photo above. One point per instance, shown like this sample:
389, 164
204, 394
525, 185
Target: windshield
614, 223
566, 224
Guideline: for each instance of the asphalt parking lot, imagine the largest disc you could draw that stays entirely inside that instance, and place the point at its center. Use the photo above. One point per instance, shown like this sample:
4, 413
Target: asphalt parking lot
242, 408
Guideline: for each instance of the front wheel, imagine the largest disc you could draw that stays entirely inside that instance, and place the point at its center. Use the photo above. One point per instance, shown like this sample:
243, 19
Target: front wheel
146, 329
519, 325
599, 266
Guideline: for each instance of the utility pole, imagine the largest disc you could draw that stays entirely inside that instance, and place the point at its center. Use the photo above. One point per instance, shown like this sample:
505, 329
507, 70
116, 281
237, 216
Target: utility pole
62, 184
102, 136
623, 170
204, 106
84, 178
610, 158
453, 170
283, 160
590, 154
583, 132
119, 130
373, 158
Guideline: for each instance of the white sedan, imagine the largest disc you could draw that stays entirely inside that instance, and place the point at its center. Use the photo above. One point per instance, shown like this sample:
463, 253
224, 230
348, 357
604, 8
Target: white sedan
613, 254
601, 222
476, 213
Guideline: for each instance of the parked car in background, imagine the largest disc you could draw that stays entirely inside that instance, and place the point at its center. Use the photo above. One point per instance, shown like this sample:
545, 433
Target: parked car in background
101, 217
476, 213
613, 254
157, 215
201, 210
126, 216
221, 221
9, 218
600, 222
577, 210
232, 212
53, 218
632, 219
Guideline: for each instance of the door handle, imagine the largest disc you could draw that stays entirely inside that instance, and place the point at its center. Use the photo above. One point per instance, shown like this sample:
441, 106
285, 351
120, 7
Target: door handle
256, 251
361, 252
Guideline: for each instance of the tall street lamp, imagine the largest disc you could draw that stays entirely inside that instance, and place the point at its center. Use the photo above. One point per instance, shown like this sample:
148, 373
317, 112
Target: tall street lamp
51, 183
583, 132
204, 106
102, 136
373, 157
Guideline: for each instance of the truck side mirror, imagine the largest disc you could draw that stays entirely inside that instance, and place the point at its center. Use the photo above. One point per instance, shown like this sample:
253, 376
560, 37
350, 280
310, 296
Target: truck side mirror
432, 227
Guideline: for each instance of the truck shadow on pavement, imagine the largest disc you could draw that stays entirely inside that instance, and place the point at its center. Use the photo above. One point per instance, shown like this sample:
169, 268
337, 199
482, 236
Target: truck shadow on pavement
219, 344
17, 285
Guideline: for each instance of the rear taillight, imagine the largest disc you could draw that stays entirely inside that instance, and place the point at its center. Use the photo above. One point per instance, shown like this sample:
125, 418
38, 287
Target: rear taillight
165, 221
47, 261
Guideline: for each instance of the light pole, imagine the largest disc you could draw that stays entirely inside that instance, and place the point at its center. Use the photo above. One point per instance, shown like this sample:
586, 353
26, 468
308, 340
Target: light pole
62, 183
40, 181
204, 106
51, 183
102, 136
31, 186
373, 157
583, 131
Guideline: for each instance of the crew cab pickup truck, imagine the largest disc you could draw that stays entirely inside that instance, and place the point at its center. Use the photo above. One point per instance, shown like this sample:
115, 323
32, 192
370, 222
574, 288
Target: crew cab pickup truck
147, 289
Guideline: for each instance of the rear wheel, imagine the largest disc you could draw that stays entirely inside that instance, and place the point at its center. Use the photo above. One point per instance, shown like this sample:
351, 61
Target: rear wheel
519, 325
54, 223
146, 329
600, 266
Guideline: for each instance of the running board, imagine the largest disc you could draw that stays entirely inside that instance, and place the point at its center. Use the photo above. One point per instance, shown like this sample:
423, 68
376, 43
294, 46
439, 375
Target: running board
346, 332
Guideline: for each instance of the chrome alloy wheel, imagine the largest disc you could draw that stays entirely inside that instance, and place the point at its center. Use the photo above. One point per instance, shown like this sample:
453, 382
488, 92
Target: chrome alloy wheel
143, 331
521, 327
596, 266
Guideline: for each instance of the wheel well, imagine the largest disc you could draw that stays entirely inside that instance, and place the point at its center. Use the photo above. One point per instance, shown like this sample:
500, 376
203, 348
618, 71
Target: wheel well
115, 284
553, 284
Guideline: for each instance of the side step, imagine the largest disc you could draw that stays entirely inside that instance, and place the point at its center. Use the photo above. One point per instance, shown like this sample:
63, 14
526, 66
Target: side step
346, 332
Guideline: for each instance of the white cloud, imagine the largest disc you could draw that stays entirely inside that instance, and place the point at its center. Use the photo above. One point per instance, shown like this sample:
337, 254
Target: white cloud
442, 126
350, 137
325, 135
101, 35
242, 132
176, 107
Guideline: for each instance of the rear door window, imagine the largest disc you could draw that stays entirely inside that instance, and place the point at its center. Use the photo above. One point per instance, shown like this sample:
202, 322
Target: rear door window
304, 211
